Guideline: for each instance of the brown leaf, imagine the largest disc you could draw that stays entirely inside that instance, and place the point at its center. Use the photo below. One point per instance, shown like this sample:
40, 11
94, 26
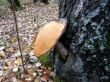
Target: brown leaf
10, 50
18, 61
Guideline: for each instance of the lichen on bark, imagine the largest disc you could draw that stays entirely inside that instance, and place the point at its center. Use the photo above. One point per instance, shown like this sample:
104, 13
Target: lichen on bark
87, 38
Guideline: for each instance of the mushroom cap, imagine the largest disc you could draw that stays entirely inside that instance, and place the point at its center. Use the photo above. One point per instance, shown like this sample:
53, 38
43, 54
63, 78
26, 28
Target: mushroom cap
47, 37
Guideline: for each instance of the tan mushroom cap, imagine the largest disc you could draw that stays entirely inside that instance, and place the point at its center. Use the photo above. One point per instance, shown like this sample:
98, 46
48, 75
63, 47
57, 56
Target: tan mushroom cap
47, 37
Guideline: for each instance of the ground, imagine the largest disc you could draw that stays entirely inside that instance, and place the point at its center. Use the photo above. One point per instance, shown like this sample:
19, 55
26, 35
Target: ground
29, 19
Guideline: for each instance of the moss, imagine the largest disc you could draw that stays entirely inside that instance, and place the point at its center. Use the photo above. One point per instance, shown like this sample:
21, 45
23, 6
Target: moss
46, 61
57, 79
43, 59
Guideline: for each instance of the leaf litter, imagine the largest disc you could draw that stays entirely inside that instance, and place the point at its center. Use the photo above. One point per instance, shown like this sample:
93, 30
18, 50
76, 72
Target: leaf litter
29, 20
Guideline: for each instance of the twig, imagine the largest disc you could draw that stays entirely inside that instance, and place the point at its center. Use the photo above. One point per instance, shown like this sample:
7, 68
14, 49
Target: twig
16, 26
17, 34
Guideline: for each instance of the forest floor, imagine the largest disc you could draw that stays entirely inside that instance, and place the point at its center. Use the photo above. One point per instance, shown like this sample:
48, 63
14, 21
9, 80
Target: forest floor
29, 19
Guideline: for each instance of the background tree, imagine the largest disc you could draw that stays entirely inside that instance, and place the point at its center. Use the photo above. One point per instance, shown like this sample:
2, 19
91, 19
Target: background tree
16, 2
87, 39
44, 1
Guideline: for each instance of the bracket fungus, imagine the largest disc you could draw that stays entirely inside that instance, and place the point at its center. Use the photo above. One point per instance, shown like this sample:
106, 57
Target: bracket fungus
47, 36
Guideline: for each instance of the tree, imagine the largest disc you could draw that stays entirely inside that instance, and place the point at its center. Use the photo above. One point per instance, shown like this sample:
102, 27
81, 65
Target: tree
87, 39
44, 1
16, 3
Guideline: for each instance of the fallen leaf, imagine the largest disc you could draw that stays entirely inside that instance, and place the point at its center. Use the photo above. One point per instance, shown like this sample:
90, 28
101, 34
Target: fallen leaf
1, 73
18, 61
15, 69
1, 48
2, 54
38, 64
10, 50
36, 80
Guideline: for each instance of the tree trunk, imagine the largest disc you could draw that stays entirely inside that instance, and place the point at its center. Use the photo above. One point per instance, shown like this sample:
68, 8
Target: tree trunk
87, 39
44, 1
14, 4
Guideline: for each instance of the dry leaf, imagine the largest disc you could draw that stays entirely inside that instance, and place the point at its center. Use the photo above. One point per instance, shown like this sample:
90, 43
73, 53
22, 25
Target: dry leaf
10, 50
15, 69
44, 78
38, 64
36, 80
2, 54
1, 79
1, 48
13, 39
30, 70
1, 73
18, 61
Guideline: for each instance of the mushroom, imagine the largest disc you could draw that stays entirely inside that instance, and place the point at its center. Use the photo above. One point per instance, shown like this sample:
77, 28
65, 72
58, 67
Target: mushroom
48, 36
